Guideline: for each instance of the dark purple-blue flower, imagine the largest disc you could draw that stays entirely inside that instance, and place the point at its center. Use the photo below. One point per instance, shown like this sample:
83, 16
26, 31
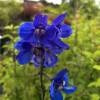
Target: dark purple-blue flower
60, 84
65, 30
40, 42
38, 55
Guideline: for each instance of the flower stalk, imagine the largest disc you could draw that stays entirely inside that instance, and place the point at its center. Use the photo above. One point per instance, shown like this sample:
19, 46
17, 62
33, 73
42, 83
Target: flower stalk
42, 92
40, 43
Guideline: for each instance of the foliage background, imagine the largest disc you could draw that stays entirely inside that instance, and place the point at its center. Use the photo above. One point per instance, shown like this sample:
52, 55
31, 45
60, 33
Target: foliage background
18, 82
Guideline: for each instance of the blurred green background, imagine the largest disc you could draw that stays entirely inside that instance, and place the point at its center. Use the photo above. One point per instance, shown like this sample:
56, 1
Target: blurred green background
17, 82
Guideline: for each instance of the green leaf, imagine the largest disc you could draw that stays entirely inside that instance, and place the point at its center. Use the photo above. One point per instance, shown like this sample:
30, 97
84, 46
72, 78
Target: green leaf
95, 83
97, 67
9, 27
88, 54
95, 97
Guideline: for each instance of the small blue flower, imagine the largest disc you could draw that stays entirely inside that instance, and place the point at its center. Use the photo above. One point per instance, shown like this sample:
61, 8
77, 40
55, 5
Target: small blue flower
60, 83
65, 30
38, 55
40, 42
40, 33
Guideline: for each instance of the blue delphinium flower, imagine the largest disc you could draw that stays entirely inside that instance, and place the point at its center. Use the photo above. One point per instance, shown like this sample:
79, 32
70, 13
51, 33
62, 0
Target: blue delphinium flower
38, 55
40, 42
65, 30
60, 83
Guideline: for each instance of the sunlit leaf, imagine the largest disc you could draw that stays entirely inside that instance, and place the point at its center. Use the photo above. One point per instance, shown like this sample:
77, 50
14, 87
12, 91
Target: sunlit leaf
95, 83
97, 67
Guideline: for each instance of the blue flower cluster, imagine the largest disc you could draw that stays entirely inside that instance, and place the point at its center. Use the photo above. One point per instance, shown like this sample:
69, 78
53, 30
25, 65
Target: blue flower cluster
40, 42
60, 83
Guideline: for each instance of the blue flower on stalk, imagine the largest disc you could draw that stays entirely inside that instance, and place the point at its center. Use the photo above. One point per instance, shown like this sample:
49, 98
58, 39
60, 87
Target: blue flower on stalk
38, 55
60, 83
41, 42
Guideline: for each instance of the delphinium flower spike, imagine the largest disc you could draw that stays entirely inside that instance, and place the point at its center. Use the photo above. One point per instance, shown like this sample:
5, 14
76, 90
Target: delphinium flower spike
60, 83
40, 42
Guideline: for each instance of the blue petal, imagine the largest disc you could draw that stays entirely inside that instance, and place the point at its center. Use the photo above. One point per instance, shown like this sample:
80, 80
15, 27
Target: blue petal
51, 32
65, 80
69, 90
18, 45
26, 30
61, 74
46, 43
55, 94
50, 60
55, 49
22, 45
36, 60
52, 89
24, 57
40, 20
60, 77
59, 19
27, 46
66, 31
61, 44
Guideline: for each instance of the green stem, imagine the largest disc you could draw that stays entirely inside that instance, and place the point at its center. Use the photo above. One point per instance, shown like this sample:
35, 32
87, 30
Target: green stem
42, 84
